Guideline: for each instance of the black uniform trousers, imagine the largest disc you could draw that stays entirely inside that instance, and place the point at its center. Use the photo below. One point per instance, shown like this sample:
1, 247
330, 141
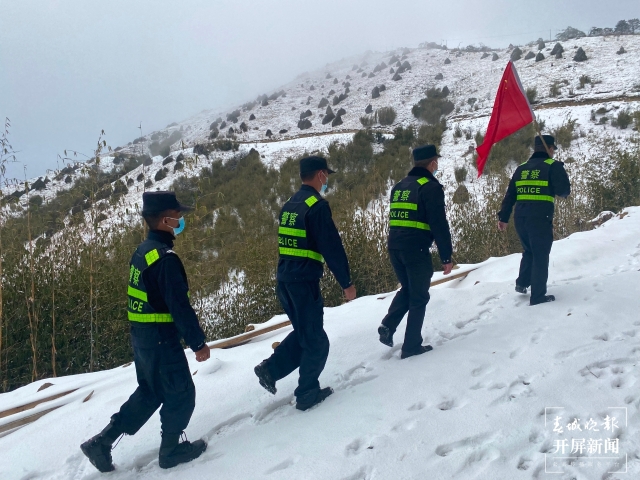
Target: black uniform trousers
414, 271
307, 346
163, 379
536, 236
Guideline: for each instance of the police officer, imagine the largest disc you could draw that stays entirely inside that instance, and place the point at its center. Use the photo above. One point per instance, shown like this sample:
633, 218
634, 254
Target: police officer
533, 189
307, 239
417, 218
160, 314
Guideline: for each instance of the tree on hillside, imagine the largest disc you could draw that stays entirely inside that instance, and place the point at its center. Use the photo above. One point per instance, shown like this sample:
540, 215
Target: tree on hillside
622, 27
596, 32
634, 25
569, 33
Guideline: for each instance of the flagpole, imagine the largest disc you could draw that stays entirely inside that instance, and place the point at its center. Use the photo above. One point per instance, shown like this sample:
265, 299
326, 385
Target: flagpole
546, 147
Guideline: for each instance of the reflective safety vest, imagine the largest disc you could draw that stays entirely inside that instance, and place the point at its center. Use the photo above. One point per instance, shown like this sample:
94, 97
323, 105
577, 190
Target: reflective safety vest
138, 308
292, 233
532, 183
404, 212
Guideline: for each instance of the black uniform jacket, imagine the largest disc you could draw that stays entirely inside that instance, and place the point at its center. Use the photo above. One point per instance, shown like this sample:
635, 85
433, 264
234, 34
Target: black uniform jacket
167, 289
559, 185
430, 200
323, 237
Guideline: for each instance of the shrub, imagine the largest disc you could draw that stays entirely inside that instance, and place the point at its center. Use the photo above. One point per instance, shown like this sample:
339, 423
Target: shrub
369, 109
284, 130
532, 93
557, 49
570, 33
621, 51
584, 79
140, 177
160, 174
439, 76
368, 120
460, 174
624, 119
35, 200
434, 106
494, 57
539, 57
447, 61
304, 124
164, 151
178, 166
554, 89
306, 114
516, 54
167, 160
580, 56
461, 195
530, 55
323, 103
375, 93
223, 145
541, 44
336, 121
565, 133
386, 115
148, 183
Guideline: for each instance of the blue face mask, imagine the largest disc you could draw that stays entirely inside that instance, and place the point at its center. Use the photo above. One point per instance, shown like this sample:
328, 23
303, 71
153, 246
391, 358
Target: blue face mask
324, 186
178, 230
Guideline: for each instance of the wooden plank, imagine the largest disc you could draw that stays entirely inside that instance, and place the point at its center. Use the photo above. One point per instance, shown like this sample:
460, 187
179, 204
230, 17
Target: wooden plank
29, 406
245, 337
450, 277
26, 420
251, 331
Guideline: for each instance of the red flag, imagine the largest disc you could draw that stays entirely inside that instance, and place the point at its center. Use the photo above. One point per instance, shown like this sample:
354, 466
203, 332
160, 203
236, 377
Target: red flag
511, 112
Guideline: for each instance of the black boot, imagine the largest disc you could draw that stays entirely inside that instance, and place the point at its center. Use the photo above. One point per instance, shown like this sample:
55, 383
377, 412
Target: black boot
545, 299
267, 382
386, 337
521, 289
322, 394
98, 448
173, 453
419, 351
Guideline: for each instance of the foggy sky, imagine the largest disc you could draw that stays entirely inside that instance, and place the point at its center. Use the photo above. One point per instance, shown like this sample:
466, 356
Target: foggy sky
70, 68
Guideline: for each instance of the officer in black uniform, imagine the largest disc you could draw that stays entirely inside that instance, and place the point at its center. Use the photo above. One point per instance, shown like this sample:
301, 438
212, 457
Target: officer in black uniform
307, 239
533, 189
417, 218
160, 314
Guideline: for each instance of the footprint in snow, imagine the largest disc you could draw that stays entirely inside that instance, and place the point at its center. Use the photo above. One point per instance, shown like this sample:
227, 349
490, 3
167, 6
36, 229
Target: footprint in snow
274, 409
229, 425
289, 462
354, 376
420, 406
469, 443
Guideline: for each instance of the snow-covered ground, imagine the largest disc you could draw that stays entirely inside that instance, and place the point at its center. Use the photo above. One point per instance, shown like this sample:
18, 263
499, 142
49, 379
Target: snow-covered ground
481, 405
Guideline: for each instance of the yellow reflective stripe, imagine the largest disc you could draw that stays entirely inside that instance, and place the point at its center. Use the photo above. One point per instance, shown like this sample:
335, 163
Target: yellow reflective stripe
311, 201
532, 183
422, 180
135, 293
152, 256
549, 161
297, 252
150, 317
410, 224
292, 232
545, 198
404, 206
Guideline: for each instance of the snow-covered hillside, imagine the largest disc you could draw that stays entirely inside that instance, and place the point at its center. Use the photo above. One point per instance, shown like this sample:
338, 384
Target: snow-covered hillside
472, 79
482, 405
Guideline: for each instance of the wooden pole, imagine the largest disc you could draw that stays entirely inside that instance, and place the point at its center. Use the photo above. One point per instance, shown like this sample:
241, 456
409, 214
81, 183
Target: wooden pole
546, 147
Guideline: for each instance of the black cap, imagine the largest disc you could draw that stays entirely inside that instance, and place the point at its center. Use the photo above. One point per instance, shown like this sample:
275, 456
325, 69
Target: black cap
424, 152
313, 164
549, 140
158, 202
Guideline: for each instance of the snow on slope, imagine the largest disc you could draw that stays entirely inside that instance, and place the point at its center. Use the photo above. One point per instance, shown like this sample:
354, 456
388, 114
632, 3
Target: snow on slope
472, 408
615, 85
